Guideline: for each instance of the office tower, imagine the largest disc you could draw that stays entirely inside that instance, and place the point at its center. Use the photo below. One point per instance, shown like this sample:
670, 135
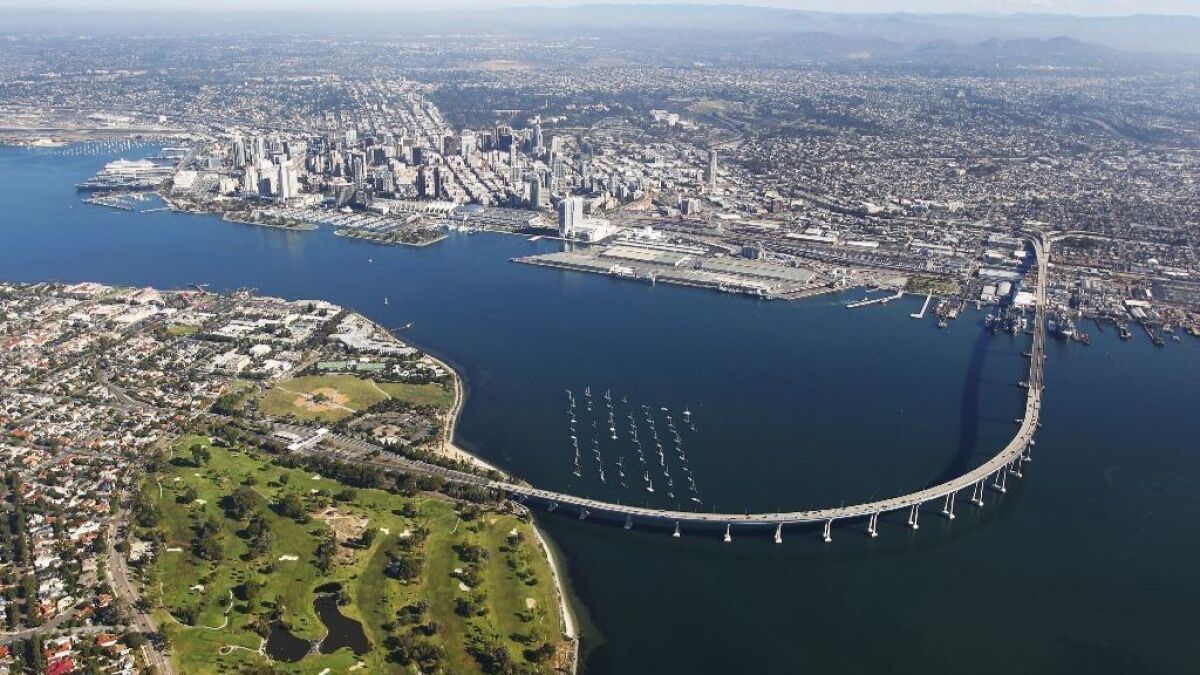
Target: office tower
710, 172
570, 214
469, 141
535, 192
239, 152
359, 171
285, 183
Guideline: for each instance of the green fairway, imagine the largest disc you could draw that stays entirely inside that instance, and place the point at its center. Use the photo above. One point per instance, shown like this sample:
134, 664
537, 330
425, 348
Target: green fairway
212, 633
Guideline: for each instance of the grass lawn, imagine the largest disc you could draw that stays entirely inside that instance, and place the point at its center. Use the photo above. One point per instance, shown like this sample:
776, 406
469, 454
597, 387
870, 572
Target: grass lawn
328, 398
935, 285
433, 393
179, 329
221, 638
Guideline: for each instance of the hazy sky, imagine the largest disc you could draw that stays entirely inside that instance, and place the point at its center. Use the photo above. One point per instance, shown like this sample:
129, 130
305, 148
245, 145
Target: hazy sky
1090, 7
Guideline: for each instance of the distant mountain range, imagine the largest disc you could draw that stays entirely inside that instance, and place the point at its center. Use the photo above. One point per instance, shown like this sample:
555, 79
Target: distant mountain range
1142, 32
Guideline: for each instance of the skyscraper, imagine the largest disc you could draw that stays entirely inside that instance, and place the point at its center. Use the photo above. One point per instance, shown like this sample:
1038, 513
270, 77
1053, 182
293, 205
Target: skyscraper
537, 137
570, 214
535, 192
710, 172
285, 182
239, 152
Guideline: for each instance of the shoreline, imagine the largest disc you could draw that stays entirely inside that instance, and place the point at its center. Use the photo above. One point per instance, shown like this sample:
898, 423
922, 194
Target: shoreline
353, 234
448, 447
229, 218
569, 625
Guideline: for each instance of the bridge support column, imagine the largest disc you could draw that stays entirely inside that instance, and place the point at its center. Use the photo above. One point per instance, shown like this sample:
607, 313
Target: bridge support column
977, 494
948, 506
998, 482
829, 530
1014, 467
629, 522
779, 533
913, 514
728, 535
552, 506
584, 514
873, 524
676, 533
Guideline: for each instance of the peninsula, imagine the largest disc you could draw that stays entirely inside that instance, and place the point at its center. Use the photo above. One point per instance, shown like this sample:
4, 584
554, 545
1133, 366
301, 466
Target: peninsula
212, 533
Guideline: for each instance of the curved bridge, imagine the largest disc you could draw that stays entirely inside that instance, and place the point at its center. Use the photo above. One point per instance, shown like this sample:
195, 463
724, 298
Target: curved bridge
991, 474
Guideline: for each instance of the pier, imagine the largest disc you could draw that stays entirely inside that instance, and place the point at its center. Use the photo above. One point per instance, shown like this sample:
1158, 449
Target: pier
921, 314
992, 474
877, 301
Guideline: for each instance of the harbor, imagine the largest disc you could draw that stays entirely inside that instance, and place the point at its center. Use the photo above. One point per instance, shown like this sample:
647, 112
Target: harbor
651, 265
753, 449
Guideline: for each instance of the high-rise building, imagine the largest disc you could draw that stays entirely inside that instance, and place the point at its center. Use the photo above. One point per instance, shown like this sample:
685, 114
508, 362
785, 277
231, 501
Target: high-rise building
570, 215
285, 182
239, 152
359, 170
535, 192
423, 183
537, 137
710, 172
504, 138
468, 142
259, 149
250, 180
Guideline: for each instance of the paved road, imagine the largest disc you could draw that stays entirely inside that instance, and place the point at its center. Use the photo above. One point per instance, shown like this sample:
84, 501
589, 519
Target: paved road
9, 638
118, 573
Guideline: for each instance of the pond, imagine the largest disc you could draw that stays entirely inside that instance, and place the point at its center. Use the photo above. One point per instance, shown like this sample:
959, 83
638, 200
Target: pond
342, 631
283, 646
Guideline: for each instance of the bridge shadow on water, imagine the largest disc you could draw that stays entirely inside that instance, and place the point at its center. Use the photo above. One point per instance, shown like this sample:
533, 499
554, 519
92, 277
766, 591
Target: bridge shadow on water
968, 413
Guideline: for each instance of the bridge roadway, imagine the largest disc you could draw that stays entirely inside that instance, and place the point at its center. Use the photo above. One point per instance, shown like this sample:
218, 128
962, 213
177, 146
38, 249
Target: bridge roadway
1007, 461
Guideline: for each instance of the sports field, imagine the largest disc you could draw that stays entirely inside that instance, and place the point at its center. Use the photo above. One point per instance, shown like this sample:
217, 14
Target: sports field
328, 398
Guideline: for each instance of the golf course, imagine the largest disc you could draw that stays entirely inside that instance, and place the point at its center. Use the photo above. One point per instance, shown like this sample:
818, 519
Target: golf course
434, 586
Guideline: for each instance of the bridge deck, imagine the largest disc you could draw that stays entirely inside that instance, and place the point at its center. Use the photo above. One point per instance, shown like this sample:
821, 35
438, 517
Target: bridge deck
976, 478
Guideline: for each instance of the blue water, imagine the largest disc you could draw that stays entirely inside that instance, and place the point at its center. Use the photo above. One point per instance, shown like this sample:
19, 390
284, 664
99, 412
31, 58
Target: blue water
1083, 567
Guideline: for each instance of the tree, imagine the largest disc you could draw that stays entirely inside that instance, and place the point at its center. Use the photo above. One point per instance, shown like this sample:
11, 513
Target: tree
200, 454
207, 542
368, 536
323, 555
188, 495
291, 506
135, 640
241, 502
541, 654
407, 567
250, 590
